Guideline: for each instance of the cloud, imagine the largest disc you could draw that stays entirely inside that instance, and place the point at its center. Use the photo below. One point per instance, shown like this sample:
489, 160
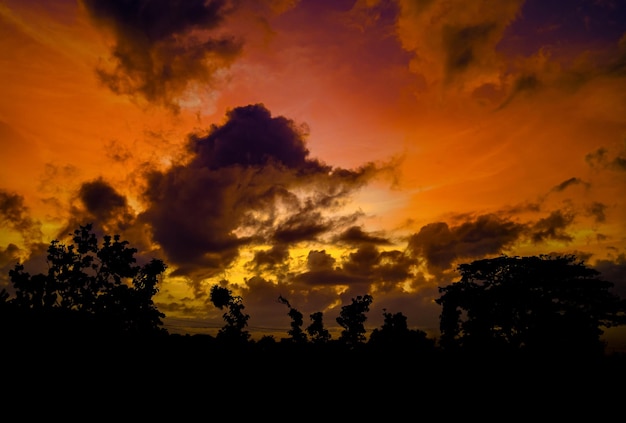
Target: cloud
454, 42
597, 210
552, 227
364, 269
249, 181
568, 183
614, 271
9, 257
602, 158
320, 260
274, 258
101, 205
441, 245
101, 200
160, 48
355, 235
14, 214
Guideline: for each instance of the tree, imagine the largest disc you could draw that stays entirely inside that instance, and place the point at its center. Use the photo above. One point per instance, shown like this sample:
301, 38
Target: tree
540, 304
352, 319
89, 289
296, 333
395, 335
316, 330
233, 331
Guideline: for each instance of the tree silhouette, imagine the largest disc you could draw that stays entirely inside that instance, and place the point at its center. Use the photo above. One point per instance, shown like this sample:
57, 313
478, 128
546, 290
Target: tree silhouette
296, 333
352, 319
540, 304
395, 335
233, 331
316, 330
88, 290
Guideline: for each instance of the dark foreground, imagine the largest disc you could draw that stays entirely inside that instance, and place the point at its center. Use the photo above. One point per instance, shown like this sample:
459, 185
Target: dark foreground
188, 379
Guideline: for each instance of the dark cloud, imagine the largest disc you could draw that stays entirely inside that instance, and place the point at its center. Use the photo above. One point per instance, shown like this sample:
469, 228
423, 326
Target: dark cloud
305, 226
99, 204
552, 227
355, 235
14, 214
332, 277
619, 163
360, 269
247, 181
103, 206
384, 269
101, 199
162, 46
461, 43
597, 158
362, 261
319, 260
601, 159
441, 244
568, 183
524, 84
271, 259
252, 137
596, 209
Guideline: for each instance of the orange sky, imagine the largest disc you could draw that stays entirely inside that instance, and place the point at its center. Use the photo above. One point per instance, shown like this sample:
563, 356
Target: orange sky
317, 150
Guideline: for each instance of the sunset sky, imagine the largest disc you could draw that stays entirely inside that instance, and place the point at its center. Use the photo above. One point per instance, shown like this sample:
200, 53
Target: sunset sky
316, 149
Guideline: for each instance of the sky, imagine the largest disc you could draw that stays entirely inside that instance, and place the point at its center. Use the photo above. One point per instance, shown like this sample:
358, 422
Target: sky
316, 150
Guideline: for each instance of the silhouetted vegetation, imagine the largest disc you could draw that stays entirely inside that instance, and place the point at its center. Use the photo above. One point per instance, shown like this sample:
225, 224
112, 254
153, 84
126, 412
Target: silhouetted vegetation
89, 291
506, 307
297, 320
352, 319
536, 305
233, 333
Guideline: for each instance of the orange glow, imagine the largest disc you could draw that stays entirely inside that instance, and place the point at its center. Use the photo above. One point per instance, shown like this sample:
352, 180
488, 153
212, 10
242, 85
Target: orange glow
411, 116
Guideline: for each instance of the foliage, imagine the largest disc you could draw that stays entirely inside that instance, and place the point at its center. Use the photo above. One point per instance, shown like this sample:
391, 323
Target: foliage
296, 333
352, 319
540, 304
316, 330
236, 321
88, 287
395, 334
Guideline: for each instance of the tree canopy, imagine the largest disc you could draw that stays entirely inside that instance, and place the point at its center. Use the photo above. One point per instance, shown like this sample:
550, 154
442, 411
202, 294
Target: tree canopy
540, 304
88, 289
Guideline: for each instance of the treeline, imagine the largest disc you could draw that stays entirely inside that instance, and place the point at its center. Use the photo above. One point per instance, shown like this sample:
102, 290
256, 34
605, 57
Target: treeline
95, 293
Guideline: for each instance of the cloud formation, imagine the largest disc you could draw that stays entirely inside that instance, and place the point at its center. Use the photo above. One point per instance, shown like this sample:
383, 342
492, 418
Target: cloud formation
249, 181
454, 42
15, 215
441, 245
160, 47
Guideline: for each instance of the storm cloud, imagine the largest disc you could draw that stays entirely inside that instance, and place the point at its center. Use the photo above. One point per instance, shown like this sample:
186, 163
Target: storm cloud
249, 181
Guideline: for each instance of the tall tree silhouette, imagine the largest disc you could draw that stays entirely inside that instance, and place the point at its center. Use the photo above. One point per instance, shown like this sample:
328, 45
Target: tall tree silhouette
540, 304
296, 333
88, 289
233, 332
352, 319
316, 330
